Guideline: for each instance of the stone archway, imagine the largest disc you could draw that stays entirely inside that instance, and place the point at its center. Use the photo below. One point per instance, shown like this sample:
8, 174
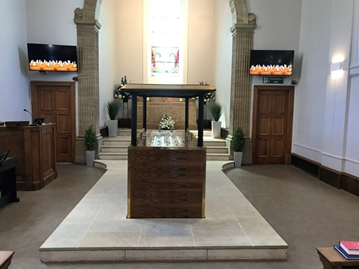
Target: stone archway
88, 28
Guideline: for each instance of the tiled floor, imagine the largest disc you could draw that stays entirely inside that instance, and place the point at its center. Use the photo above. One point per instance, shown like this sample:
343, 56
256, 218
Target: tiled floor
98, 224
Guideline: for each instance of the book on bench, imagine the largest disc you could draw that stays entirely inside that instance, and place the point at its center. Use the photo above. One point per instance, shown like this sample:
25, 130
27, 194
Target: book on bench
350, 247
346, 255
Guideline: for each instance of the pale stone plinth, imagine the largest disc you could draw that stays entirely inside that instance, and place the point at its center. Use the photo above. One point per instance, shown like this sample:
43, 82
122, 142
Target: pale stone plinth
97, 229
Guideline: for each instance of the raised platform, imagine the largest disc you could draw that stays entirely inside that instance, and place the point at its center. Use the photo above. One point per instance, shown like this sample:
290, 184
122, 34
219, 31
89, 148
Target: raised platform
97, 229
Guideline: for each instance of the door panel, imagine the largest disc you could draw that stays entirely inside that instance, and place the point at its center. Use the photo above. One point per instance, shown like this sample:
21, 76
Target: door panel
278, 126
62, 100
263, 148
279, 103
62, 124
62, 146
264, 126
55, 101
265, 103
277, 148
46, 100
272, 124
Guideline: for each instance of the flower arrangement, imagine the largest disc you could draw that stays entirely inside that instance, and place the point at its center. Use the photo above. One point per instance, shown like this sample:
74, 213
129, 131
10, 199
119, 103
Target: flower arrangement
119, 94
209, 97
166, 123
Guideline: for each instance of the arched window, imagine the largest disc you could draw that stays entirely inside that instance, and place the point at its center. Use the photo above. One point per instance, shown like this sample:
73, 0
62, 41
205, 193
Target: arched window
165, 41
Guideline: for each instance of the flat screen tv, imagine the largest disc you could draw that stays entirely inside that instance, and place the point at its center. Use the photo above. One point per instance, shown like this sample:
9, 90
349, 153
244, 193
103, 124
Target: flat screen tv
52, 58
272, 62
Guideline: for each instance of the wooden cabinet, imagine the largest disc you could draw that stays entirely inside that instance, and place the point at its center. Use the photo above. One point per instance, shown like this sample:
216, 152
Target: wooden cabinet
166, 181
35, 149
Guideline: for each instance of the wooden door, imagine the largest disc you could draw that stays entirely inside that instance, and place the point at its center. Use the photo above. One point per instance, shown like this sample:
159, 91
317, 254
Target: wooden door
55, 101
272, 124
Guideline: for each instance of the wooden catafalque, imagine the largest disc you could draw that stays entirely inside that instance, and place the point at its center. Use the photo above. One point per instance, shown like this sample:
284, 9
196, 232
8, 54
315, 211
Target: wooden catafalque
166, 169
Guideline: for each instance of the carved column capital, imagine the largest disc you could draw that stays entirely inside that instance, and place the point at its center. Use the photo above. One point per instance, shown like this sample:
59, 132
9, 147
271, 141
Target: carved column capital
248, 28
82, 22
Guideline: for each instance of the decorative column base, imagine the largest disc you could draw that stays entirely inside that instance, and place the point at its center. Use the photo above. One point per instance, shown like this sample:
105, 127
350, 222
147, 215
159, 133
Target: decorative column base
80, 150
247, 150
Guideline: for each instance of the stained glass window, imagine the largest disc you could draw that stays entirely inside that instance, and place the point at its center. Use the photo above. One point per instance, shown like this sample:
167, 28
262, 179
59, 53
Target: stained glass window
165, 37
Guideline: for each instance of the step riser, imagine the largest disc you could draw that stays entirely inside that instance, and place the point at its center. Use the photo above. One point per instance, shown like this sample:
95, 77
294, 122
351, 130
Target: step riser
122, 133
116, 143
217, 158
224, 150
114, 150
205, 133
214, 144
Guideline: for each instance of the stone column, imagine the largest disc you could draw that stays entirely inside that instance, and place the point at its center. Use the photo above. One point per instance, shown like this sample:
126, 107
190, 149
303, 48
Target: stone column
88, 80
241, 84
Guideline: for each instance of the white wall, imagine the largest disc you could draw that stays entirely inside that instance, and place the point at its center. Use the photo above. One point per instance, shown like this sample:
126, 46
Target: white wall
311, 91
130, 39
52, 22
223, 57
14, 85
352, 128
337, 95
200, 41
352, 140
108, 51
326, 122
278, 28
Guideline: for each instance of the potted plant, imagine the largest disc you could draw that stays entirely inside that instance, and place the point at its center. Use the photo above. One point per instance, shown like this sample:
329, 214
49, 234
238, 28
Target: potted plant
216, 111
112, 110
90, 145
238, 142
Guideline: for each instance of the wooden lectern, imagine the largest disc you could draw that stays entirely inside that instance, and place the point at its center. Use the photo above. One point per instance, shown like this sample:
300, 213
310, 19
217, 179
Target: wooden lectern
35, 149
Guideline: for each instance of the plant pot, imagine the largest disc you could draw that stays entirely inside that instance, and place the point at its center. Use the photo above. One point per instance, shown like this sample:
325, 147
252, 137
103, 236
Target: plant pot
216, 129
90, 157
112, 128
238, 156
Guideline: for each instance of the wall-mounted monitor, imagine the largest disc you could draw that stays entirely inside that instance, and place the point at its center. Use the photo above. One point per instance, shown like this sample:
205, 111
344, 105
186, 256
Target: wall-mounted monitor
52, 58
272, 62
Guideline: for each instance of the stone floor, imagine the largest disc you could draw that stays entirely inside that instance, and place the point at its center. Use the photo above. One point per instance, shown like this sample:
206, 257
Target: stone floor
306, 213
97, 229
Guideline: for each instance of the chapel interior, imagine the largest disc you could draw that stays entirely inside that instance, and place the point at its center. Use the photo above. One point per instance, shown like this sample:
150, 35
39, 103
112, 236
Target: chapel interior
179, 134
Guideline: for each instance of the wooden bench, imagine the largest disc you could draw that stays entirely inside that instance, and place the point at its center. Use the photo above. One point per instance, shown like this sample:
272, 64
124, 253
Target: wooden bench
332, 259
5, 259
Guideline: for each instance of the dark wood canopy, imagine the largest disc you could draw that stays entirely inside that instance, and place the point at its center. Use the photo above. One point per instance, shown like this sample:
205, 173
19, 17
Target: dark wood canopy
168, 90
186, 91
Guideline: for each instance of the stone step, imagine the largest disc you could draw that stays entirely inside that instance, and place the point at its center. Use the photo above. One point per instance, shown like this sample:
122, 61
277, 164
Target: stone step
123, 137
217, 157
116, 142
207, 133
124, 132
114, 149
214, 143
213, 149
112, 156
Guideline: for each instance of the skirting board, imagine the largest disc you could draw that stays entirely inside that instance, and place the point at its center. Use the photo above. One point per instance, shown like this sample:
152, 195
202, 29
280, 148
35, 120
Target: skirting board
334, 178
